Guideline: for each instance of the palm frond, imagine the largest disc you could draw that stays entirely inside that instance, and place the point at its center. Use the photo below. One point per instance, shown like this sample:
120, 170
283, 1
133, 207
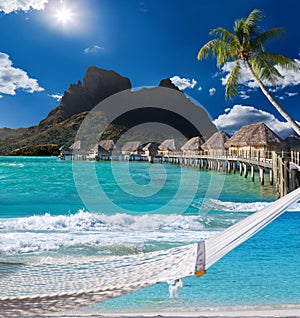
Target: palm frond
239, 26
232, 84
209, 48
223, 34
284, 61
264, 70
254, 15
218, 49
249, 27
262, 38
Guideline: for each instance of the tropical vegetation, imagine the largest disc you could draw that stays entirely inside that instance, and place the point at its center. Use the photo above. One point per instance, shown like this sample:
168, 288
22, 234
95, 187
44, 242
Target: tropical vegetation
246, 46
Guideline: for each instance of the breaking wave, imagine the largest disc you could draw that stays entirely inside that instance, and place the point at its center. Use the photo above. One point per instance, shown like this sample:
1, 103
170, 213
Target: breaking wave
97, 233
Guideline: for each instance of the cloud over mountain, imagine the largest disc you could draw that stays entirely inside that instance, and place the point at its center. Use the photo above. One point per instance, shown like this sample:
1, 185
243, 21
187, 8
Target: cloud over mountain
183, 83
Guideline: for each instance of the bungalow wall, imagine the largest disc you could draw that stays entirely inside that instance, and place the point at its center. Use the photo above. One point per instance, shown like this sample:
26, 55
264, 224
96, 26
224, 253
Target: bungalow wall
253, 151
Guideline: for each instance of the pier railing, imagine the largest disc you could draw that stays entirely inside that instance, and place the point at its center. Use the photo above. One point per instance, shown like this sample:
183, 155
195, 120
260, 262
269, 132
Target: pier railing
283, 167
263, 159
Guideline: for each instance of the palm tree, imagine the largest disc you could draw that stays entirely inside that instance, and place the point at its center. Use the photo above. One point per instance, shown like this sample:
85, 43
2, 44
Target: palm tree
246, 45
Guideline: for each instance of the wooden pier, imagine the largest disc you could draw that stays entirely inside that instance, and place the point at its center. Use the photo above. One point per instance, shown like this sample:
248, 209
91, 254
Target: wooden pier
283, 168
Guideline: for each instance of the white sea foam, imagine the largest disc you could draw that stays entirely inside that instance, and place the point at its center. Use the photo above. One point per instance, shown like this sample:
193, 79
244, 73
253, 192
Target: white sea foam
47, 232
212, 204
86, 221
91, 230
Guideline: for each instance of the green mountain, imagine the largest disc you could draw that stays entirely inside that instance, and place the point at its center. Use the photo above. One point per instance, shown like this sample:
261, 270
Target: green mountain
62, 124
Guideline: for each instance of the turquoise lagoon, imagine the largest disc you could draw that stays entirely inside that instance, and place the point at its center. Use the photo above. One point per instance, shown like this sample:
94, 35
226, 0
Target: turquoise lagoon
49, 208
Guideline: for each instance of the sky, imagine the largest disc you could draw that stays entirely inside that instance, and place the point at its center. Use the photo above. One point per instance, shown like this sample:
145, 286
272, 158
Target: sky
48, 44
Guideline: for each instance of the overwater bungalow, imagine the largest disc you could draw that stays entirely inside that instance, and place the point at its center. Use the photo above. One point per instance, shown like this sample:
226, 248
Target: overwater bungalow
79, 150
64, 151
97, 152
215, 145
168, 147
109, 145
292, 143
131, 148
193, 146
151, 149
254, 140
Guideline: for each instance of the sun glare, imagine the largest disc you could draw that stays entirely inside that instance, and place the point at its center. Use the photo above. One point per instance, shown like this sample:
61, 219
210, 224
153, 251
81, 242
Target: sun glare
64, 15
71, 18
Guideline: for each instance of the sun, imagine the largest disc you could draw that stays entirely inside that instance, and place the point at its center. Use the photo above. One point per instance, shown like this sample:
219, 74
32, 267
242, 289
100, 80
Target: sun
64, 15
70, 18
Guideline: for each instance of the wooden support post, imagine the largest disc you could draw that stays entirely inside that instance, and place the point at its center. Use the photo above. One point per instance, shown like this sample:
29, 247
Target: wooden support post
245, 168
234, 166
228, 166
252, 173
295, 179
241, 169
271, 176
262, 176
286, 188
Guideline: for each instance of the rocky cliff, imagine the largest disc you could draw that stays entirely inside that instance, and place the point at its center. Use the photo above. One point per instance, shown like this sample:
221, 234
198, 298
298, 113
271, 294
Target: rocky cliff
62, 123
97, 85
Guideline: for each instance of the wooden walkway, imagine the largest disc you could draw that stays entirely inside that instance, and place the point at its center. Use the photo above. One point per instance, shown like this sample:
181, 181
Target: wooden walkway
283, 168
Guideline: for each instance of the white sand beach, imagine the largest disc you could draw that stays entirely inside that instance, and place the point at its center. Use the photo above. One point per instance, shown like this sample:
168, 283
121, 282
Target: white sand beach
293, 311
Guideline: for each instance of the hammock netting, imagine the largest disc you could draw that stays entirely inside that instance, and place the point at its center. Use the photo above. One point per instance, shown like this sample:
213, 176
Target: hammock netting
27, 288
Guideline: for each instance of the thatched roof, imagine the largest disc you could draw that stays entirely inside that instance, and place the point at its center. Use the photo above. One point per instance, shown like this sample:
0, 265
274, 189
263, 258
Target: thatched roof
151, 146
216, 141
292, 141
193, 144
64, 148
108, 145
131, 146
254, 135
169, 144
78, 145
99, 149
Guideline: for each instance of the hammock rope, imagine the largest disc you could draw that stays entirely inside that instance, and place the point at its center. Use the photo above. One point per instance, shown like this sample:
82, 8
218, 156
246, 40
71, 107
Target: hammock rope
27, 289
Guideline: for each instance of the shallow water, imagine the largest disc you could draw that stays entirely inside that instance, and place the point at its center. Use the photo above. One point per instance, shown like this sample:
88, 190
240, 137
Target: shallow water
143, 207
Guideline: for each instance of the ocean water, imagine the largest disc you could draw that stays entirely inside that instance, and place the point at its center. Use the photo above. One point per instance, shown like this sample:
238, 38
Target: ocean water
51, 208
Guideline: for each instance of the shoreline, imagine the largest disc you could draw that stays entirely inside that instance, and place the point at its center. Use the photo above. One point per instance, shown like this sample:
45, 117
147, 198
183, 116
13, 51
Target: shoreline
255, 311
286, 313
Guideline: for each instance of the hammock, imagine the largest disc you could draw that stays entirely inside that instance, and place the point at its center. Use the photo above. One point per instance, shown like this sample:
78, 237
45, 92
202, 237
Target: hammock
27, 289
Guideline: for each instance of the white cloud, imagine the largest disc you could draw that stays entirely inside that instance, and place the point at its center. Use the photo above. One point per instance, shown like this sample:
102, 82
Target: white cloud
8, 6
183, 83
58, 97
12, 78
199, 88
287, 94
291, 94
93, 49
212, 91
240, 115
290, 78
244, 95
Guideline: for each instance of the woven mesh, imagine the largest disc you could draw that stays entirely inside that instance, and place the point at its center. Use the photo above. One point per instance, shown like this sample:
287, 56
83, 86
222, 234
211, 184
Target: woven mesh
36, 289
42, 288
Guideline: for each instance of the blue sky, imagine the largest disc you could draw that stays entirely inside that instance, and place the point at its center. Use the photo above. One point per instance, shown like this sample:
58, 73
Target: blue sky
43, 51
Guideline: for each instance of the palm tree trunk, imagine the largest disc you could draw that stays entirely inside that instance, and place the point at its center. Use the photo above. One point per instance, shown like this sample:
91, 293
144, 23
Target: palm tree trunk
282, 112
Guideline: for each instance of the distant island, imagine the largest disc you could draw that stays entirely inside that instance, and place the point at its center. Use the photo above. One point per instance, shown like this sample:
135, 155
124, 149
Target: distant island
62, 123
